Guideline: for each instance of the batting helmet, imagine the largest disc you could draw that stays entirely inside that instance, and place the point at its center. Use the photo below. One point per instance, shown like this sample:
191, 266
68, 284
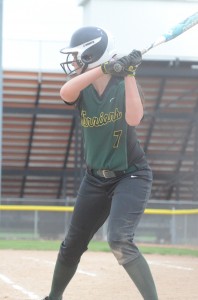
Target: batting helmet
89, 47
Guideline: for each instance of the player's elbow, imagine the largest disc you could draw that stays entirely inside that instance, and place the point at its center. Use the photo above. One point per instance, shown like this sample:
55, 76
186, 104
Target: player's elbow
133, 120
67, 95
133, 123
63, 93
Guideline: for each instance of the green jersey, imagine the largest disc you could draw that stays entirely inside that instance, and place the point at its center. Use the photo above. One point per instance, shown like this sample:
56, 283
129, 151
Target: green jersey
109, 142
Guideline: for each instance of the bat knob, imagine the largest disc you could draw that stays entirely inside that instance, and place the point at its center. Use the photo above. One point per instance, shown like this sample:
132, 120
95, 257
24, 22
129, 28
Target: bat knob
117, 67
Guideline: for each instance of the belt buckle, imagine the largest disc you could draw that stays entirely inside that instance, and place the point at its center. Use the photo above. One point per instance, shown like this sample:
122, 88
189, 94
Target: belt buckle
108, 173
104, 172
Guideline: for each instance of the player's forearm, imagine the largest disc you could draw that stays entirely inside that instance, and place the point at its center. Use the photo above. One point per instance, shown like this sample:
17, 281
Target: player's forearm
70, 90
134, 107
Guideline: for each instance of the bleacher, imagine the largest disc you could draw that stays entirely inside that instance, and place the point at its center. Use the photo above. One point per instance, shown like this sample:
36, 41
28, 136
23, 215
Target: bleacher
42, 147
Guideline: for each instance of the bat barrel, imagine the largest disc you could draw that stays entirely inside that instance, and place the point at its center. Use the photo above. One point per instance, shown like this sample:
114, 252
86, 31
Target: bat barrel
174, 31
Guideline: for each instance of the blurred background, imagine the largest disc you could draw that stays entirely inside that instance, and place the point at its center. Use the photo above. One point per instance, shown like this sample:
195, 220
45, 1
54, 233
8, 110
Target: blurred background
40, 141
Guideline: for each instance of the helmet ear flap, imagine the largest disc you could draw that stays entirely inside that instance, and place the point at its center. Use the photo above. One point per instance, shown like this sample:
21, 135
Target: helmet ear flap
87, 59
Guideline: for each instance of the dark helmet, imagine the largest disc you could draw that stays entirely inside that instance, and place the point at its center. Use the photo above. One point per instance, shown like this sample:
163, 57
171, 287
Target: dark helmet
89, 47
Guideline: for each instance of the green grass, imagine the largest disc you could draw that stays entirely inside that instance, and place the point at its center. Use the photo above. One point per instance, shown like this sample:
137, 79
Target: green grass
16, 244
94, 246
168, 250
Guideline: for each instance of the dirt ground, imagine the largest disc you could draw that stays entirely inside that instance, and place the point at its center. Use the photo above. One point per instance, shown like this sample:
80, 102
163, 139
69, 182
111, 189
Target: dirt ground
26, 275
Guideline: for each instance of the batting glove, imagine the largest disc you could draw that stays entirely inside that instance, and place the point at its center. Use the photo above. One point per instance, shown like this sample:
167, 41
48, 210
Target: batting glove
135, 58
125, 66
114, 68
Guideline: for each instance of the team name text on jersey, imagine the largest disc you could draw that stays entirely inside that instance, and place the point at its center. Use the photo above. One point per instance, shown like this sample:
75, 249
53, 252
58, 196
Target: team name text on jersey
103, 119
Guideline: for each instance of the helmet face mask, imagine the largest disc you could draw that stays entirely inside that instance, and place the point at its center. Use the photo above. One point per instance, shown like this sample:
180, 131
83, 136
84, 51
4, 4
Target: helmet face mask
89, 48
71, 60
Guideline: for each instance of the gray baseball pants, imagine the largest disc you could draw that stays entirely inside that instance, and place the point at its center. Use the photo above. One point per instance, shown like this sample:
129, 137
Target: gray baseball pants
122, 200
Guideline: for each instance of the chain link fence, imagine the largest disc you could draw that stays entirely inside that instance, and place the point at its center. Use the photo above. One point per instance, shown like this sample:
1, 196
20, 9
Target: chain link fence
164, 222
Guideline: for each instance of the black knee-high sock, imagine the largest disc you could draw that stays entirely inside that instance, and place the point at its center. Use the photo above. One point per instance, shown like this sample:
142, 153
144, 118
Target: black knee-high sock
62, 276
140, 273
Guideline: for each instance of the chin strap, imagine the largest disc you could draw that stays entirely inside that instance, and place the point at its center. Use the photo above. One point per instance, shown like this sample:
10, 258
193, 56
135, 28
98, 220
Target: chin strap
84, 68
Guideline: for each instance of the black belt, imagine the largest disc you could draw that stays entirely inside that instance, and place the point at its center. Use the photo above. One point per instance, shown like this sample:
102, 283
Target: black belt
110, 173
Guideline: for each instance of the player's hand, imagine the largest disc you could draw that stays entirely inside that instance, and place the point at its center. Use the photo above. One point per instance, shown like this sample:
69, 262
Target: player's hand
135, 58
114, 68
125, 66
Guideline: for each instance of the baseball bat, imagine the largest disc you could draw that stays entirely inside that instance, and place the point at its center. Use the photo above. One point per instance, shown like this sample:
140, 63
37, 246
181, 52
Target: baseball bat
174, 31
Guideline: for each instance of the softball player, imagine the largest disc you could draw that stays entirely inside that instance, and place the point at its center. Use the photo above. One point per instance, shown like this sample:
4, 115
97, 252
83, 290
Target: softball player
117, 182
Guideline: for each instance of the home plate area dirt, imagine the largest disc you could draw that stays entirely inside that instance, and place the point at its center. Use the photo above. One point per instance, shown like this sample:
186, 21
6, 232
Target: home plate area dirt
26, 275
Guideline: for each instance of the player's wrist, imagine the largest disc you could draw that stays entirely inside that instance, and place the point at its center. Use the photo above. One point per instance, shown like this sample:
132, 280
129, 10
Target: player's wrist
104, 68
131, 70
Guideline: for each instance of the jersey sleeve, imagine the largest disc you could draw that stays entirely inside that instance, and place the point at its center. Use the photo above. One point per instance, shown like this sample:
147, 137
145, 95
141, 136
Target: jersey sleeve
75, 102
